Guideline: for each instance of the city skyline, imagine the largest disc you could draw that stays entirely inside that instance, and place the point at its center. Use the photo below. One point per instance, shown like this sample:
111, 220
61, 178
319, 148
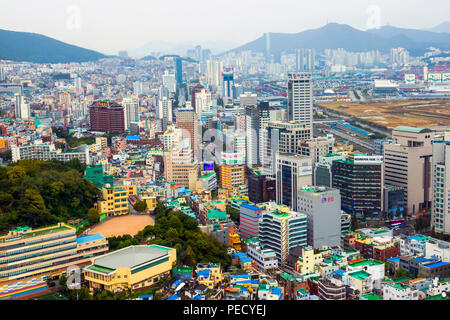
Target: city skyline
78, 22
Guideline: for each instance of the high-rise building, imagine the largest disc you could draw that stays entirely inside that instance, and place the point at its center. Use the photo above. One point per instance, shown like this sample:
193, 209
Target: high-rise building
360, 180
179, 167
260, 188
323, 208
293, 172
2, 74
164, 112
317, 147
65, 99
440, 218
257, 119
306, 60
249, 220
107, 116
170, 82
407, 164
214, 70
323, 175
22, 109
228, 86
202, 101
300, 98
282, 231
131, 106
188, 121
179, 70
281, 137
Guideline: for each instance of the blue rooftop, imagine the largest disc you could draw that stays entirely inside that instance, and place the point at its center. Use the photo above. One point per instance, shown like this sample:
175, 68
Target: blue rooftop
240, 276
436, 265
422, 259
250, 207
394, 259
89, 238
204, 273
174, 297
197, 297
276, 291
133, 138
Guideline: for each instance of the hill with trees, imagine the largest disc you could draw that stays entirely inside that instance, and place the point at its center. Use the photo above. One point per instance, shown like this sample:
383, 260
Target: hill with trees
41, 193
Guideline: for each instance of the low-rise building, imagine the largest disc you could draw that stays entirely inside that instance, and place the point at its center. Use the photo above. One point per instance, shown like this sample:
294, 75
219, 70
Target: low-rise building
131, 268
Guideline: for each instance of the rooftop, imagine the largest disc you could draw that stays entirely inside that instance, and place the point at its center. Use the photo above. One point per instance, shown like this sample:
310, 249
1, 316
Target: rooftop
89, 238
361, 275
412, 129
131, 257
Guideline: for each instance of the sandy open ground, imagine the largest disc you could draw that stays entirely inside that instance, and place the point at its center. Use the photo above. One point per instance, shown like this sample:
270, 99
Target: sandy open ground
123, 225
390, 114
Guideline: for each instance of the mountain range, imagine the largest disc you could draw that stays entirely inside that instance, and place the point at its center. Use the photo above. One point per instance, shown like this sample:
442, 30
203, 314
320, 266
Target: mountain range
334, 35
32, 47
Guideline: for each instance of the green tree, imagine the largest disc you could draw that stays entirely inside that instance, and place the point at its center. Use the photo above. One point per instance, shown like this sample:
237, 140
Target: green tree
140, 206
93, 215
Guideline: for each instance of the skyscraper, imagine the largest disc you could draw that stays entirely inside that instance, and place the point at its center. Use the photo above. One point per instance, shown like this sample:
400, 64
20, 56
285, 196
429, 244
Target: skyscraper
228, 86
256, 119
305, 60
131, 106
164, 112
179, 70
22, 110
300, 100
187, 120
440, 217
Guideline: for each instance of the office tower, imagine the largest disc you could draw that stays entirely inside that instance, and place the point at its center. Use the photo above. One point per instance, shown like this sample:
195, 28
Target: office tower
179, 70
407, 164
248, 99
169, 81
323, 175
282, 231
440, 217
379, 145
188, 121
256, 120
231, 176
293, 172
22, 109
214, 70
164, 112
306, 60
281, 137
317, 147
323, 208
360, 180
228, 86
300, 102
131, 106
107, 116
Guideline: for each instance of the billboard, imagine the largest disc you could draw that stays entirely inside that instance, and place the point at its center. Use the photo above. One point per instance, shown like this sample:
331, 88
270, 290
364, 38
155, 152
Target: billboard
368, 159
208, 166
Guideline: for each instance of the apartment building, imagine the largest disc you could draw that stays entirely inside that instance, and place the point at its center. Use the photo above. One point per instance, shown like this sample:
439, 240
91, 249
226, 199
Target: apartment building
39, 150
115, 199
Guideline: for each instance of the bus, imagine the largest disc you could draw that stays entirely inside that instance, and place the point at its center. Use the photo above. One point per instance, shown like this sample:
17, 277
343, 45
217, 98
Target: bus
396, 223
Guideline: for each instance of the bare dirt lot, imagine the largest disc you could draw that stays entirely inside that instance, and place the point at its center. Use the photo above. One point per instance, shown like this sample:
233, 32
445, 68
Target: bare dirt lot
391, 114
119, 226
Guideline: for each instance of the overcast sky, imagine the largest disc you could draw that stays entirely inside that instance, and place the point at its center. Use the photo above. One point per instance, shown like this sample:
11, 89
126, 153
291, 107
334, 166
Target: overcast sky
112, 25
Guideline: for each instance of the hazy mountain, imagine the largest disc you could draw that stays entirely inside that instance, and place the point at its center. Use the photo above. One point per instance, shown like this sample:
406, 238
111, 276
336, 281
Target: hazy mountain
336, 35
32, 47
180, 48
443, 27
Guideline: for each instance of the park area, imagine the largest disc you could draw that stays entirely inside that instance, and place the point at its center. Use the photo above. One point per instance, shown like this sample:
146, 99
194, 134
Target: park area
391, 114
119, 226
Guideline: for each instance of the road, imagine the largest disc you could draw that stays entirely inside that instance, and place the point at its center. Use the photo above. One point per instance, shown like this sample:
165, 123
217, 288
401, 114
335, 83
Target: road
352, 139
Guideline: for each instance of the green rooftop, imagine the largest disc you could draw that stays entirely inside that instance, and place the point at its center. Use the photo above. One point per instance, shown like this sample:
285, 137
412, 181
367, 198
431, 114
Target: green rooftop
365, 263
360, 275
371, 297
100, 269
412, 129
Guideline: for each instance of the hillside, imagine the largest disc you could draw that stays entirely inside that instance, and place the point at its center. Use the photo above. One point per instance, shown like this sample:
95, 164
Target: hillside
36, 48
336, 35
